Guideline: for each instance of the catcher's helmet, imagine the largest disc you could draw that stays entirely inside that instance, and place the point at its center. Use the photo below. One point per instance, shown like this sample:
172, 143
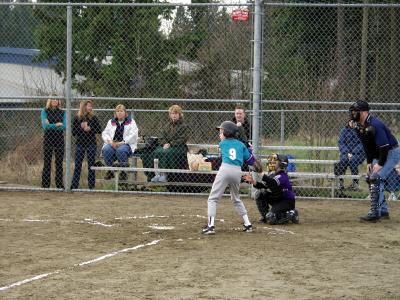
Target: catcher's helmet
229, 128
277, 159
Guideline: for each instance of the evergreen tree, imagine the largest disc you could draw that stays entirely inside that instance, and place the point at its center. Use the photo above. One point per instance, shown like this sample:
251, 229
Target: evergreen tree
16, 26
117, 51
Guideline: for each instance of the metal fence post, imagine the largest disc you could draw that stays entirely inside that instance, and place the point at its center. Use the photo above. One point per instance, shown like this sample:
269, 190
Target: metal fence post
282, 128
257, 67
68, 95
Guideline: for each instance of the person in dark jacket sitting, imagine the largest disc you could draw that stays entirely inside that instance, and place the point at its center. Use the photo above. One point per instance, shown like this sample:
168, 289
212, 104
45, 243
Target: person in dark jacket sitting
276, 200
85, 126
351, 154
172, 149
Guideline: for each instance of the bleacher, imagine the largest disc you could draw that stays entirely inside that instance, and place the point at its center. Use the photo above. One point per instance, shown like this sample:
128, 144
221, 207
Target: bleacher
299, 178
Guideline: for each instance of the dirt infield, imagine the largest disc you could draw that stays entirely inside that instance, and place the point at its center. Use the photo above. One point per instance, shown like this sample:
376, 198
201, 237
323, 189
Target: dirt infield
107, 246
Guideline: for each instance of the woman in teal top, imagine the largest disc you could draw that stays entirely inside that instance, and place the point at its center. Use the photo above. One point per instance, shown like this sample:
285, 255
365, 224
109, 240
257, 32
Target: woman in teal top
53, 123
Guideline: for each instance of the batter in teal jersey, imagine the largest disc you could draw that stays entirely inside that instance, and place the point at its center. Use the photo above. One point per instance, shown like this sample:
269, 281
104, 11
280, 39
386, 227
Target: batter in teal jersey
233, 153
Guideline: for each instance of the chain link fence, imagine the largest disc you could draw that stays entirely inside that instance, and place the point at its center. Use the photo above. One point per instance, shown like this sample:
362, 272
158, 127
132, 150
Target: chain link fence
156, 59
318, 58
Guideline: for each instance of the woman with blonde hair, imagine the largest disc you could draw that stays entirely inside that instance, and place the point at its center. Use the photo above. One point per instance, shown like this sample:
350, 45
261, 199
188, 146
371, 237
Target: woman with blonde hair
120, 139
85, 126
172, 152
53, 121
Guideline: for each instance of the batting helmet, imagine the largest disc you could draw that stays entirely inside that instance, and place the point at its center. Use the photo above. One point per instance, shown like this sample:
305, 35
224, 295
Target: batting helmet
230, 129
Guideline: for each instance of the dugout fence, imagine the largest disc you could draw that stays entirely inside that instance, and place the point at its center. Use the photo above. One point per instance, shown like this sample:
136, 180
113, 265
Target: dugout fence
294, 67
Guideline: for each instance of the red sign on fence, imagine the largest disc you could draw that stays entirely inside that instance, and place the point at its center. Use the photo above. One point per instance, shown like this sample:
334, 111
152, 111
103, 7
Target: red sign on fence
240, 15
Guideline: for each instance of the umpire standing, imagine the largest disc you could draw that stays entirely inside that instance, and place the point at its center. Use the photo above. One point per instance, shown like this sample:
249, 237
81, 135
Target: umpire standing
383, 153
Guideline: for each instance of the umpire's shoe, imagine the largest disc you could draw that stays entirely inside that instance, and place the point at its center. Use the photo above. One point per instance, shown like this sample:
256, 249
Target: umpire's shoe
208, 230
385, 215
372, 218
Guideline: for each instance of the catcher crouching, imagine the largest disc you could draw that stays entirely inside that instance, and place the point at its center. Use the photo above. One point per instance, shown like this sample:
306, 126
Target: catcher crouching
276, 199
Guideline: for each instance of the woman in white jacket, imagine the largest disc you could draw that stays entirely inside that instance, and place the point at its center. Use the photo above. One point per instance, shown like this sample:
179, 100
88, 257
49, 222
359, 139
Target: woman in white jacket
120, 139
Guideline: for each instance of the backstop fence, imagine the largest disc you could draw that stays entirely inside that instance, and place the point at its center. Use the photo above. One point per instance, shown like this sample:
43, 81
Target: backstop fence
293, 68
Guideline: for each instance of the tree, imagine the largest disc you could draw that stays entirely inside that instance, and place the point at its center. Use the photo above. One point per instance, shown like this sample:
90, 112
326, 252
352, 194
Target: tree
16, 26
181, 24
219, 51
117, 51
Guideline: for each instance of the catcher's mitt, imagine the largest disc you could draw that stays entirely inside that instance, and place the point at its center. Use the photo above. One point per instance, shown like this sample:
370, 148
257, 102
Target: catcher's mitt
257, 166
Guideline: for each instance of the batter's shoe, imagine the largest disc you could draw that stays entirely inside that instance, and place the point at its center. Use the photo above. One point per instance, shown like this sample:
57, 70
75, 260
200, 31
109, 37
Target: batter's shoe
385, 215
208, 230
248, 228
370, 218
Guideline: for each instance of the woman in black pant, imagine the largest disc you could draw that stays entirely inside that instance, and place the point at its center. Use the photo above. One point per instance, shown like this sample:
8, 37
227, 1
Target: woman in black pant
53, 124
85, 126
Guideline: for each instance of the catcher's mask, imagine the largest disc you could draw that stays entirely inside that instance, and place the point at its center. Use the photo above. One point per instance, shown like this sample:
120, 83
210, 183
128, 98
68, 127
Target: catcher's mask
279, 160
356, 108
229, 128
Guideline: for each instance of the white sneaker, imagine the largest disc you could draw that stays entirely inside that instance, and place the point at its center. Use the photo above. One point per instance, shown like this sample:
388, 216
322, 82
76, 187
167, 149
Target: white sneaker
162, 178
392, 197
155, 178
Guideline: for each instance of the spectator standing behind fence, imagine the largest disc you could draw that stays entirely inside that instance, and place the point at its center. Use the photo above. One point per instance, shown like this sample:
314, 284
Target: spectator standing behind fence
240, 119
351, 154
383, 153
172, 149
120, 140
53, 123
85, 126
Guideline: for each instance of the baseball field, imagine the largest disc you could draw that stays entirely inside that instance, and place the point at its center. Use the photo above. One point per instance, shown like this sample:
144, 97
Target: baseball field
107, 246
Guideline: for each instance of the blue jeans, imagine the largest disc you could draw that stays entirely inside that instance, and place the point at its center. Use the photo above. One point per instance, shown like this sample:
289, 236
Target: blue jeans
122, 154
392, 160
79, 156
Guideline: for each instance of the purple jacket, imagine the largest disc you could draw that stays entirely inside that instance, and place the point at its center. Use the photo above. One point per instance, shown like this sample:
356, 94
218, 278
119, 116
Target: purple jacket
278, 183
